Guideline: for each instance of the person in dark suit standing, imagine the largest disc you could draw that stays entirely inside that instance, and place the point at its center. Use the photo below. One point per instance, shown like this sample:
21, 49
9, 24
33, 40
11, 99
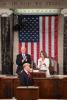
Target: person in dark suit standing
21, 58
25, 76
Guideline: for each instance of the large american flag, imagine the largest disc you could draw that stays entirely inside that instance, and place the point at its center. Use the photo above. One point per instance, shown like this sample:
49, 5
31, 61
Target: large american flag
39, 33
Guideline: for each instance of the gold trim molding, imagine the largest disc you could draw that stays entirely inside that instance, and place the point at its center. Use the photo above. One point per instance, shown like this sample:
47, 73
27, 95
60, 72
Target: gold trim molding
13, 4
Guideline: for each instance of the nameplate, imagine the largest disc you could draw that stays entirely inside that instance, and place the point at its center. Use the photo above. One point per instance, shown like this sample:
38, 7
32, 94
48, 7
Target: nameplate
27, 87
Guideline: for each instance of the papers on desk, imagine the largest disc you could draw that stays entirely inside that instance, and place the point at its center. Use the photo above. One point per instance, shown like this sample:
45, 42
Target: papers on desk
35, 71
59, 76
43, 68
8, 76
2, 75
25, 87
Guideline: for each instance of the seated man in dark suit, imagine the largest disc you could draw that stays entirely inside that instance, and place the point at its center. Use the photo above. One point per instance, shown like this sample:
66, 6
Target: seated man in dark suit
21, 58
25, 76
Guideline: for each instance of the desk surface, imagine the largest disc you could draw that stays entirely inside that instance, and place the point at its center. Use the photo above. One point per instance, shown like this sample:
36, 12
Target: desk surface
8, 99
52, 99
49, 77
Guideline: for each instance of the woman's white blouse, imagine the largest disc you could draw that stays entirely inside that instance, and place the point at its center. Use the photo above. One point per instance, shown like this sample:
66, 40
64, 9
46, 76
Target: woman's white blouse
44, 65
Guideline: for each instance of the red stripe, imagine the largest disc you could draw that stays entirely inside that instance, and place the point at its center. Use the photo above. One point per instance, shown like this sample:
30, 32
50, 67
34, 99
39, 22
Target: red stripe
20, 46
26, 46
43, 33
56, 38
49, 36
32, 50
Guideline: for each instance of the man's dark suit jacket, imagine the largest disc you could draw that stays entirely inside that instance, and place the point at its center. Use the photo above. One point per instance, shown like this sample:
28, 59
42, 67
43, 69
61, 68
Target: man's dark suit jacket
20, 63
25, 80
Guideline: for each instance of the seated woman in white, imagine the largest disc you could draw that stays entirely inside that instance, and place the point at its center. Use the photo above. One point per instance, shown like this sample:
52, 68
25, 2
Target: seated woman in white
43, 63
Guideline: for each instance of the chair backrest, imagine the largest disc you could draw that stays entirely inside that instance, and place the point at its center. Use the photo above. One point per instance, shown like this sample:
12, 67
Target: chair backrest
54, 67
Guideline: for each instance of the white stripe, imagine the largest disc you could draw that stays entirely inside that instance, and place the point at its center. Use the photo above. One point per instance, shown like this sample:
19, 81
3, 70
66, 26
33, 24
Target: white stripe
35, 52
23, 44
52, 36
15, 51
29, 48
40, 32
46, 35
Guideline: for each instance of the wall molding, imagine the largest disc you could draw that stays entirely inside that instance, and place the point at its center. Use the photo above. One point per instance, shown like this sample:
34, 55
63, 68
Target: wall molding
13, 4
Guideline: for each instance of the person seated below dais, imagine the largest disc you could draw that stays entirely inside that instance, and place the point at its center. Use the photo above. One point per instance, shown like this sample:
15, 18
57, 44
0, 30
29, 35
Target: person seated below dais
25, 76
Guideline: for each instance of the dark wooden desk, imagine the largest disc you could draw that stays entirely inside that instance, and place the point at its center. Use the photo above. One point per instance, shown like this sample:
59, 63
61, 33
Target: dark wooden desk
7, 86
48, 88
38, 74
54, 87
0, 88
27, 93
